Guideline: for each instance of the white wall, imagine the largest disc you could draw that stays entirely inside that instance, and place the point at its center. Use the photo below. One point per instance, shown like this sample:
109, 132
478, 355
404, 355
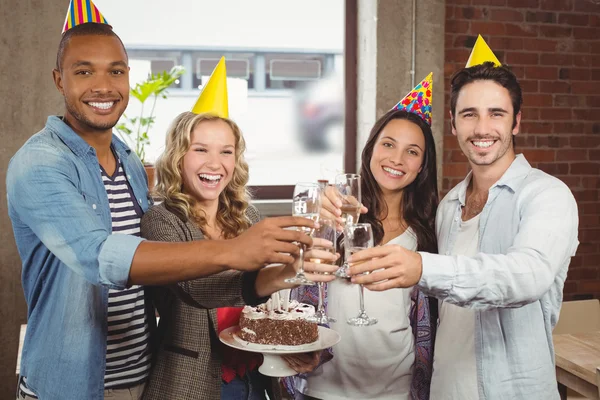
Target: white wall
314, 24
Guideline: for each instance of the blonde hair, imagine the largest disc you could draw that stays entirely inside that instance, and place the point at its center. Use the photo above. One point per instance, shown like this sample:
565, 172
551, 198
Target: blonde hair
233, 200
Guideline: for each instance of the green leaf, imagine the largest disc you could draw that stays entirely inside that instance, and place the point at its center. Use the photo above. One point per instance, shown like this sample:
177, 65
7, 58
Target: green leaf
136, 129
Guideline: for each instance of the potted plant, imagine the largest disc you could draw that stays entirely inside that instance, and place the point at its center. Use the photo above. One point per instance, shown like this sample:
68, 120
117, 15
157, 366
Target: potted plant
134, 130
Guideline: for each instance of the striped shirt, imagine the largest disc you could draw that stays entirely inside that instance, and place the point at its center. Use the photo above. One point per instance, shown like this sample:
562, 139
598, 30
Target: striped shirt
127, 350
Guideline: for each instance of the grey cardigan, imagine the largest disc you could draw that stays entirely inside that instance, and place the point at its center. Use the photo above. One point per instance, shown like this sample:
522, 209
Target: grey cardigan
186, 359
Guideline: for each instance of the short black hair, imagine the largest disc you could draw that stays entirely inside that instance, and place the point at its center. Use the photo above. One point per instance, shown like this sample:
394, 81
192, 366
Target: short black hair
86, 29
487, 71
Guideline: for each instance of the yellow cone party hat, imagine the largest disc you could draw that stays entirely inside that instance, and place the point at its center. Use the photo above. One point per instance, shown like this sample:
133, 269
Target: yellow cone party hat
213, 98
80, 12
418, 101
481, 53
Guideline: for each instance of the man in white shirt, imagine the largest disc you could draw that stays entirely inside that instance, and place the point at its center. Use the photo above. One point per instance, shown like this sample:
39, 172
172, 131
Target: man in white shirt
506, 235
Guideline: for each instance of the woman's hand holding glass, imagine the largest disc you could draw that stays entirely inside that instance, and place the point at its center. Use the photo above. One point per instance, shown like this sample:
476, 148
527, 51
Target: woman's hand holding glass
306, 203
324, 241
331, 207
319, 261
270, 280
358, 238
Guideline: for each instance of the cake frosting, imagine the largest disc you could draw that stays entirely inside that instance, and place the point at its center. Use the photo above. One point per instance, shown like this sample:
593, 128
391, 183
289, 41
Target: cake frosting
278, 322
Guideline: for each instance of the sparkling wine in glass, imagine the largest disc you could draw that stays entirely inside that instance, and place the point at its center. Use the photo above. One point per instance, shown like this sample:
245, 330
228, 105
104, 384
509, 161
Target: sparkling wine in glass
350, 213
348, 186
326, 231
305, 203
356, 238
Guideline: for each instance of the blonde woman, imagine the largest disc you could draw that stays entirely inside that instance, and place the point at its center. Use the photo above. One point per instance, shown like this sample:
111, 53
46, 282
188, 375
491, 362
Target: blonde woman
202, 177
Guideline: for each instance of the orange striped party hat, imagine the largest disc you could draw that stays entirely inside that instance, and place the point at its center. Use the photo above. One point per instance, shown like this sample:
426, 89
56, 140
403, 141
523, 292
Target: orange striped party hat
80, 12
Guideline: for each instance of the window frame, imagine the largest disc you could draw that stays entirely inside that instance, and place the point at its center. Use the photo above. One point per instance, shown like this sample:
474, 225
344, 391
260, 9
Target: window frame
285, 192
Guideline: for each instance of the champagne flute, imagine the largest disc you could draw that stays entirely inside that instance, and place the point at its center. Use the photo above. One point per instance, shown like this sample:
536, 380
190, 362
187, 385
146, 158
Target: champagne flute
326, 231
348, 186
306, 203
359, 237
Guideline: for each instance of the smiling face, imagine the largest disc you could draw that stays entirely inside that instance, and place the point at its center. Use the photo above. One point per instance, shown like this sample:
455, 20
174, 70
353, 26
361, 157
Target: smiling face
483, 124
397, 155
208, 165
94, 80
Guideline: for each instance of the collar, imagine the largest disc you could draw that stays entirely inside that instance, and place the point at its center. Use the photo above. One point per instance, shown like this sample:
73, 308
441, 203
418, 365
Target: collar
512, 178
76, 143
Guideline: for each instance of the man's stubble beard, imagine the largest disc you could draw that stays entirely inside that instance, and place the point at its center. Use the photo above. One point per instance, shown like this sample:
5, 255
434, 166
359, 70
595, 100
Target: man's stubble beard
476, 160
82, 119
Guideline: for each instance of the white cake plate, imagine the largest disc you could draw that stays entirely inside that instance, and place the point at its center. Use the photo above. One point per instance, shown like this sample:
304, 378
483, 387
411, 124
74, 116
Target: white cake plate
273, 364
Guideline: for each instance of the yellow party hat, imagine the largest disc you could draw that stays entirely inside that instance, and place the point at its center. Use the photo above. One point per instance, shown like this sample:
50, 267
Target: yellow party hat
213, 98
81, 12
481, 53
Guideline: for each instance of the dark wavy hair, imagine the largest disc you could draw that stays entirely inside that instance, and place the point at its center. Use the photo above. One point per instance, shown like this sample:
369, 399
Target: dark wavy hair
419, 199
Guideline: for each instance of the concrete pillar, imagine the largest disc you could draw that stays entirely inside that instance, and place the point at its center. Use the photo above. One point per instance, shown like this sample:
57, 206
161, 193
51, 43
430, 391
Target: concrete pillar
30, 37
366, 71
385, 60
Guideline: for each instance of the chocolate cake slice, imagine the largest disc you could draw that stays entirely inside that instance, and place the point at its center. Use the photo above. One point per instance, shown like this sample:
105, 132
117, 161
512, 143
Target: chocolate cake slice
286, 326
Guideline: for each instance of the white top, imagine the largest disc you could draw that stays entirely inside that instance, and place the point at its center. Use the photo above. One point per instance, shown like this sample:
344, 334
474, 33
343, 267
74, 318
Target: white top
454, 369
371, 362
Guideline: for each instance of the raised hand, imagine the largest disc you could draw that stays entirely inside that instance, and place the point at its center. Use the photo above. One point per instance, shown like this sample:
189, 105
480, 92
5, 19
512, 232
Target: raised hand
331, 207
267, 242
390, 266
319, 262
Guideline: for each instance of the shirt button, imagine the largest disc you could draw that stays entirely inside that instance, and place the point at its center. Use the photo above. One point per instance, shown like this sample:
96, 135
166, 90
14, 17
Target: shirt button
140, 201
128, 176
94, 206
447, 253
456, 219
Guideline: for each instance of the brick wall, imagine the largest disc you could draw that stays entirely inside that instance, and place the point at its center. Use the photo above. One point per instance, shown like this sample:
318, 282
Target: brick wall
553, 46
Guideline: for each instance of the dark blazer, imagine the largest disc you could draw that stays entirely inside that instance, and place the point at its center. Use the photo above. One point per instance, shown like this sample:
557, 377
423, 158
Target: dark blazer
186, 359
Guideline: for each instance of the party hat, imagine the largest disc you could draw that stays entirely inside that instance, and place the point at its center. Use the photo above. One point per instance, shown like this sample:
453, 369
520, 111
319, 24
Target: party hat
80, 12
481, 53
418, 101
213, 98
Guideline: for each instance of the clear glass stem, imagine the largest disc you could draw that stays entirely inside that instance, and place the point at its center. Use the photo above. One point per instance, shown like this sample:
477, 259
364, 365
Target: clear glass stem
321, 307
362, 300
301, 264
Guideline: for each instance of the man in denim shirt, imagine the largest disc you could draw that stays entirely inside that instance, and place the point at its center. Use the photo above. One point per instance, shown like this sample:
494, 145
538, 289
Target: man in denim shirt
62, 223
506, 236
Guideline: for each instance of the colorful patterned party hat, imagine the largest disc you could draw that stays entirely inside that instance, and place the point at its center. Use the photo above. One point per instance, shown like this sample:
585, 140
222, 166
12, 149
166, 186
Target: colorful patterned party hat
418, 101
481, 53
213, 98
80, 12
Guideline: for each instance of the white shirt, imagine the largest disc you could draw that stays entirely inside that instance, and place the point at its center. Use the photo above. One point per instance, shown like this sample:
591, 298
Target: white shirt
454, 369
372, 362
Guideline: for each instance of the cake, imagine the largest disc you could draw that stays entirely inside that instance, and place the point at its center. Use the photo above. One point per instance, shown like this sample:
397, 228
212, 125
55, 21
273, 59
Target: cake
278, 323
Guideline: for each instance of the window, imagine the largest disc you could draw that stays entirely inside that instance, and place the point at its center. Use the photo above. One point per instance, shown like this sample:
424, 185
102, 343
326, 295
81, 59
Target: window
236, 68
146, 62
287, 86
291, 71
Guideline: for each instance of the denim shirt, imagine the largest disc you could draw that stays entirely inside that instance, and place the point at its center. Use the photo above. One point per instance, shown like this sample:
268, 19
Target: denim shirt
62, 225
527, 236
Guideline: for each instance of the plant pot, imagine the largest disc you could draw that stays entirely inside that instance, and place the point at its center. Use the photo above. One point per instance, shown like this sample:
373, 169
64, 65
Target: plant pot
150, 171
